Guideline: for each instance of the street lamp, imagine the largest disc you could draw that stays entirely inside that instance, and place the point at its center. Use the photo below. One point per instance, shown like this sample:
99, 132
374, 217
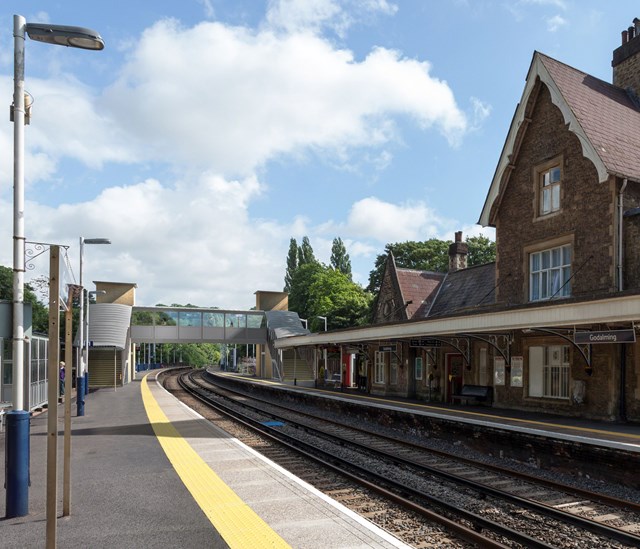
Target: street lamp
18, 491
82, 384
325, 321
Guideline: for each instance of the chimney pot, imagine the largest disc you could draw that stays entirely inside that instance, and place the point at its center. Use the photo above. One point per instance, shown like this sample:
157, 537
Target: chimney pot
625, 37
632, 32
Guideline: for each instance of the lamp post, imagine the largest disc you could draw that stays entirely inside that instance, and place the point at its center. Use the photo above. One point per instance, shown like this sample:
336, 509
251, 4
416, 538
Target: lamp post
82, 382
325, 321
18, 465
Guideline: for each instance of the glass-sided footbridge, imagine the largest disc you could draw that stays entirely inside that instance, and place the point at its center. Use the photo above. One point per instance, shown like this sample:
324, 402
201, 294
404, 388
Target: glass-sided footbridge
197, 325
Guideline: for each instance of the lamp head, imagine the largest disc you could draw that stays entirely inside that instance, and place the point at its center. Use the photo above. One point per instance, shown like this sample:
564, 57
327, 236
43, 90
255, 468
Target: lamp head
96, 241
62, 35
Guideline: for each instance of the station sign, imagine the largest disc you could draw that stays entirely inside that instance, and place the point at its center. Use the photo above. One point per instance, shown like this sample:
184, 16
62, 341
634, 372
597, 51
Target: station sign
425, 343
610, 336
387, 348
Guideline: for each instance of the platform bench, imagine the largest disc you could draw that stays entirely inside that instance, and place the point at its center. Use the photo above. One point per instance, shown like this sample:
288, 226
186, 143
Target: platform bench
473, 394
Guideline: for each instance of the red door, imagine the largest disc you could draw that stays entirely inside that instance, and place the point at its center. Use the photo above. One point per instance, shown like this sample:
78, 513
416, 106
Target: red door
454, 375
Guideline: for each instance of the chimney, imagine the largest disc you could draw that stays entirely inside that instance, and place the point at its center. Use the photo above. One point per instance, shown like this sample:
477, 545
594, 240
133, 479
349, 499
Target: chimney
626, 60
458, 254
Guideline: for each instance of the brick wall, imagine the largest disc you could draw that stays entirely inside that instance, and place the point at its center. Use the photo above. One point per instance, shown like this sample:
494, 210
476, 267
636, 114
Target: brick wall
586, 216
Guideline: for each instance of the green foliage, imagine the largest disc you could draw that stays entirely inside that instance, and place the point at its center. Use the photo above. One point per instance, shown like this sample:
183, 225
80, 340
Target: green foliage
481, 250
40, 313
340, 260
429, 255
292, 264
318, 290
197, 355
305, 253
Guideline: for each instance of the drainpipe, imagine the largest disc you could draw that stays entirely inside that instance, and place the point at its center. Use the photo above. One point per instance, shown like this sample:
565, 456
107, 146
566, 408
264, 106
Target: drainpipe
622, 412
620, 212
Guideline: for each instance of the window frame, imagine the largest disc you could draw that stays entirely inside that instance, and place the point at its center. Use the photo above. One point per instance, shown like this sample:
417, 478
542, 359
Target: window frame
541, 278
418, 368
549, 371
379, 366
540, 189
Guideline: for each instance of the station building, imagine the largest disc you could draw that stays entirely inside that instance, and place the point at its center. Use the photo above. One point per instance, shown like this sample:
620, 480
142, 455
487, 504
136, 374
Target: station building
551, 325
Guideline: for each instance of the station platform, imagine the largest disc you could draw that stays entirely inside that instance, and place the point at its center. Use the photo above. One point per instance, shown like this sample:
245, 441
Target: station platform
149, 472
613, 435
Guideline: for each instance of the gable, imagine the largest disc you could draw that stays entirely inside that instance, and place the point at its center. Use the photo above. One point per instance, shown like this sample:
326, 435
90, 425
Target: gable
595, 111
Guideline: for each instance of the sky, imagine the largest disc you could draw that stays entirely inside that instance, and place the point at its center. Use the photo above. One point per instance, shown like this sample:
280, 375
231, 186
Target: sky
208, 133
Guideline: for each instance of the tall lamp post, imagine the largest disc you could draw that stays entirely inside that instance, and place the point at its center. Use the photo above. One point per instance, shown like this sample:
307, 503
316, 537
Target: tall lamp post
82, 382
18, 420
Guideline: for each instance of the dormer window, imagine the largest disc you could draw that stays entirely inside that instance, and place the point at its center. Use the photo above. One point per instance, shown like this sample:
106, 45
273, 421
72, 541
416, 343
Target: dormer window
550, 190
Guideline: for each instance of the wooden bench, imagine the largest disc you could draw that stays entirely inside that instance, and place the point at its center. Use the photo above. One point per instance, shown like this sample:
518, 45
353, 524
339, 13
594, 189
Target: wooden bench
473, 394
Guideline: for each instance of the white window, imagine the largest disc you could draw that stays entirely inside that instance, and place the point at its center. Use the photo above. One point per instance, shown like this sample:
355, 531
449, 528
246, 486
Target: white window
379, 367
549, 371
549, 273
418, 367
550, 190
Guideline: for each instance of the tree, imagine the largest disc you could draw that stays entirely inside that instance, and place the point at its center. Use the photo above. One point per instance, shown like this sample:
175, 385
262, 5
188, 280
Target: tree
429, 255
292, 264
319, 290
40, 313
481, 250
305, 253
333, 295
300, 284
340, 258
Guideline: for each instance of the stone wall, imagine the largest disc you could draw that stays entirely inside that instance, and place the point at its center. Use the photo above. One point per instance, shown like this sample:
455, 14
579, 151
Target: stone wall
585, 219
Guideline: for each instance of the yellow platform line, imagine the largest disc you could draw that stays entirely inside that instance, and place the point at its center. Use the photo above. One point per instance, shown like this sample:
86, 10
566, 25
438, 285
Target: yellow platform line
235, 521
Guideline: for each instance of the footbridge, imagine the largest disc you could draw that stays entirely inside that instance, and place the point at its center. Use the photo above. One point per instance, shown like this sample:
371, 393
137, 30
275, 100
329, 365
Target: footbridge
201, 325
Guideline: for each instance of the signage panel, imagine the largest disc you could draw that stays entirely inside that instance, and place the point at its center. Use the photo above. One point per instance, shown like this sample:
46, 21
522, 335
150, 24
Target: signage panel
425, 343
387, 348
611, 336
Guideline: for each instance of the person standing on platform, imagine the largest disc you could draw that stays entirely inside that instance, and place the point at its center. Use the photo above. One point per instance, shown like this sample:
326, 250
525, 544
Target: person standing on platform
62, 375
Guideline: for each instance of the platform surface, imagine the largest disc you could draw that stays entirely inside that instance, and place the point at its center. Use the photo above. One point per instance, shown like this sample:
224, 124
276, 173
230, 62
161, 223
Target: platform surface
132, 455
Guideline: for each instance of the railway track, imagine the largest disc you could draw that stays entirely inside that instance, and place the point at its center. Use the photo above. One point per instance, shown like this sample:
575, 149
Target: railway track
479, 503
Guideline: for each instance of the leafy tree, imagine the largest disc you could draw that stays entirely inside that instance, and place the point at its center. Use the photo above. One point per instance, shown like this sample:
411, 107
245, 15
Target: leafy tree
305, 253
340, 258
319, 290
300, 284
429, 255
40, 313
292, 264
481, 250
332, 294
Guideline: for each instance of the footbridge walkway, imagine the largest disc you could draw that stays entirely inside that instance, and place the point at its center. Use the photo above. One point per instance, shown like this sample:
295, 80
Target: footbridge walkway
201, 325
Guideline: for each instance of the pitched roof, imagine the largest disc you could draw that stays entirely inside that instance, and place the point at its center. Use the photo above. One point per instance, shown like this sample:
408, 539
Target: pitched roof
419, 287
466, 289
603, 117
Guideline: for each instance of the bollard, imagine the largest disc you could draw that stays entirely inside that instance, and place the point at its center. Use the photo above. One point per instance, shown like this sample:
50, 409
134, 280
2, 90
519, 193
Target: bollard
17, 463
80, 396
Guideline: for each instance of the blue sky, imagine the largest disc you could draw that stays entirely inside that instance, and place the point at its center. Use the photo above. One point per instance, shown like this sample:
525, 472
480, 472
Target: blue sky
209, 132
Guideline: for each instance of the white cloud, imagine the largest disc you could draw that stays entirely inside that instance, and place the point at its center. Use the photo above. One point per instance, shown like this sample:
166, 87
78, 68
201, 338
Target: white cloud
555, 22
218, 113
241, 97
315, 15
386, 222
